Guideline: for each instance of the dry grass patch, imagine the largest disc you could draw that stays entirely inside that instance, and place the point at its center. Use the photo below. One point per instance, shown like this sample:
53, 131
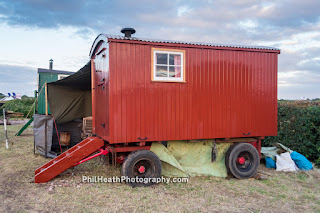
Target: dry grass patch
281, 192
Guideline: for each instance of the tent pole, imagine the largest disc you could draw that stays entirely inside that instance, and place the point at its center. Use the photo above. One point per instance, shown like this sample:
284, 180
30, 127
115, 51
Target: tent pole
46, 97
34, 112
46, 140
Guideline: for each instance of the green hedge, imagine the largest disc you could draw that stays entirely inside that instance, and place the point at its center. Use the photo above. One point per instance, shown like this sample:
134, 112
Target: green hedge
299, 128
22, 106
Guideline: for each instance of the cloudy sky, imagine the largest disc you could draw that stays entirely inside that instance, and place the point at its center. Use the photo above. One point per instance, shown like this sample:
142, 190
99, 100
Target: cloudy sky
33, 31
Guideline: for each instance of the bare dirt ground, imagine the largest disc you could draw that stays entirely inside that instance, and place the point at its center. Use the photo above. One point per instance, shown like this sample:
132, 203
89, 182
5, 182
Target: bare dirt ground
281, 192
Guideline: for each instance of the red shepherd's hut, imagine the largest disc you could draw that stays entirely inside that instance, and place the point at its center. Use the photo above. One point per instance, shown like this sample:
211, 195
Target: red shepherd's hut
156, 90
146, 90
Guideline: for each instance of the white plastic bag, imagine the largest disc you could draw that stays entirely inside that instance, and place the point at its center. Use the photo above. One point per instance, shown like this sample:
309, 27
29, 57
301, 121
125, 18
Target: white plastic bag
285, 163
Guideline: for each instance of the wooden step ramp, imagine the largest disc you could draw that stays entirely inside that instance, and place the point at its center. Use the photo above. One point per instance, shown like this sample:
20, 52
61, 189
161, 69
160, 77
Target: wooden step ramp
67, 159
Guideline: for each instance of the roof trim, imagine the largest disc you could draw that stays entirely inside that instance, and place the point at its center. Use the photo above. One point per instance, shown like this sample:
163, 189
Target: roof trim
107, 38
41, 70
100, 37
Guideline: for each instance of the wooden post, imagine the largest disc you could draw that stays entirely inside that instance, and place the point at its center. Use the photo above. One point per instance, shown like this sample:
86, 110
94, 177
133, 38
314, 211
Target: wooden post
46, 97
5, 127
46, 140
36, 99
45, 129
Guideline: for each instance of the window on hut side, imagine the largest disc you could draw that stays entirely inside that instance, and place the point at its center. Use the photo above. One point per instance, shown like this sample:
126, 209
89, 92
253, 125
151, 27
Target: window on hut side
168, 66
61, 76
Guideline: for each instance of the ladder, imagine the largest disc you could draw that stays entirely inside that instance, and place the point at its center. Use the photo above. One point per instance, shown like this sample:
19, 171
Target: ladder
68, 159
24, 127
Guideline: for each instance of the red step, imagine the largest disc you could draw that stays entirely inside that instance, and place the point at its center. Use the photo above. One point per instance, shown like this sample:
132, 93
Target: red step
67, 159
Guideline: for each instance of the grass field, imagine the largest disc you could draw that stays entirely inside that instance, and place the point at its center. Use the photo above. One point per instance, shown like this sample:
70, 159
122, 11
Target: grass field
280, 192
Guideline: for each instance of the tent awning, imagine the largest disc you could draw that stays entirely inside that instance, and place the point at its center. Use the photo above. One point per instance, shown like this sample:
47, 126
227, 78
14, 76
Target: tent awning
70, 98
79, 80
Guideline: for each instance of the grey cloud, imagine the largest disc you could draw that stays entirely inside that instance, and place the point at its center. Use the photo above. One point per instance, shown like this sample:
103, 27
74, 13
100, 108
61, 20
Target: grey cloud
81, 13
299, 84
308, 60
292, 12
296, 92
274, 19
18, 79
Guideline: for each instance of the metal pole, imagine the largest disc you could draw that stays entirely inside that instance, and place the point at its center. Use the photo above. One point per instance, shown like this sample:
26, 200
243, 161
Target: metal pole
5, 127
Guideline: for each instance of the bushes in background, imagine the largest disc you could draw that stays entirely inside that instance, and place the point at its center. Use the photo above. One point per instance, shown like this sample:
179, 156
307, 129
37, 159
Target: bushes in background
22, 106
299, 128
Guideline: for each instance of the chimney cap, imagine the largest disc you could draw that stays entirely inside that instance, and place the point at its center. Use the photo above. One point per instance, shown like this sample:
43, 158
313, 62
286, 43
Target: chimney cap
128, 31
50, 64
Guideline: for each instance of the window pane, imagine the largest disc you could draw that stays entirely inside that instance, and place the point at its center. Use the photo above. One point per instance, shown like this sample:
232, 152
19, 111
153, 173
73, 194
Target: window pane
161, 71
174, 59
162, 58
175, 71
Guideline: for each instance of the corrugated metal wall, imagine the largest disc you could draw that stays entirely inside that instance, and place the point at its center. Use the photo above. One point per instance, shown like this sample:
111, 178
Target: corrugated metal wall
227, 94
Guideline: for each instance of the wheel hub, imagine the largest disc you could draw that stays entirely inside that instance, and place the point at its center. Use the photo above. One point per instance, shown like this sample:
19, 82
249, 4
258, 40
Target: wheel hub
241, 160
142, 169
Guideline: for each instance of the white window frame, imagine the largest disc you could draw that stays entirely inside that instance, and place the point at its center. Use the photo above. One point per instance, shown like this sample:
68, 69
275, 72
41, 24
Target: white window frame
62, 76
167, 51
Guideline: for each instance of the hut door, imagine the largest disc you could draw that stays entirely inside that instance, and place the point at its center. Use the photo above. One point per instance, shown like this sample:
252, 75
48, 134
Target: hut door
100, 92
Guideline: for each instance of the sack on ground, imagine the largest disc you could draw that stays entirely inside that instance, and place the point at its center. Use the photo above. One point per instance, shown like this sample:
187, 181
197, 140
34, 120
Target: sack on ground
270, 163
285, 163
302, 162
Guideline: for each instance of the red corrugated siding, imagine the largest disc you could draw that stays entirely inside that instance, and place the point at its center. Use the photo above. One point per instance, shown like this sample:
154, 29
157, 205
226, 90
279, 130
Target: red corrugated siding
227, 93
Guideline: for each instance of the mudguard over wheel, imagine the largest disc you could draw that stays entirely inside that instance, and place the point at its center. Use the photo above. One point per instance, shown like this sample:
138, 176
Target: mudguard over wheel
242, 160
142, 164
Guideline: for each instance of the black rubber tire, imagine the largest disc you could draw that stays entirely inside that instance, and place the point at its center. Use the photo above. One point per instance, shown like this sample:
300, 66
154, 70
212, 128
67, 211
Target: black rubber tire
150, 161
249, 168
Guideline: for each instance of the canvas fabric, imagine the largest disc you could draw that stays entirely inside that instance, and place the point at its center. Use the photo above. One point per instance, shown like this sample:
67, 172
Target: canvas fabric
189, 159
